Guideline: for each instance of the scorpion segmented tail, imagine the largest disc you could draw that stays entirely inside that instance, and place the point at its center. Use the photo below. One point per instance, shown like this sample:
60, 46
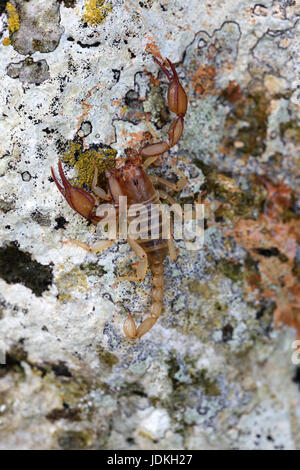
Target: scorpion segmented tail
157, 269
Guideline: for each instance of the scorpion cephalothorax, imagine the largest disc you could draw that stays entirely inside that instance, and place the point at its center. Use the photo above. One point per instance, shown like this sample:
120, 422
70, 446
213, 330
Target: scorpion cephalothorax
132, 181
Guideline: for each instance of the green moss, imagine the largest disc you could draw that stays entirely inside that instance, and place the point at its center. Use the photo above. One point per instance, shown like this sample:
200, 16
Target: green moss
290, 131
75, 440
92, 269
231, 269
220, 308
64, 413
222, 186
177, 398
235, 201
68, 3
82, 159
251, 272
67, 281
72, 392
6, 206
209, 386
196, 287
247, 124
17, 266
13, 360
265, 315
296, 267
210, 175
106, 357
173, 368
251, 264
129, 389
193, 378
37, 45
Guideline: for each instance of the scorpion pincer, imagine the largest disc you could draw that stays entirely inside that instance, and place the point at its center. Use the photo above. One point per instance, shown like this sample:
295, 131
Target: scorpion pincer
132, 181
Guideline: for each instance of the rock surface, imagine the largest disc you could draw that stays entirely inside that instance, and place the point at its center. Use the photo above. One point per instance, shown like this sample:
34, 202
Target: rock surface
214, 372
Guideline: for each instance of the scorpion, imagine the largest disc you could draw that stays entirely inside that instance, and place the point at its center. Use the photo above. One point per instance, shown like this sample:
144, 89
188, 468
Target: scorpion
132, 181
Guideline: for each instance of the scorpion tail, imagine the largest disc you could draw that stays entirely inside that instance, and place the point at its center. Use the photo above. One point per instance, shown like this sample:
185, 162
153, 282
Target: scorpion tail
157, 269
130, 329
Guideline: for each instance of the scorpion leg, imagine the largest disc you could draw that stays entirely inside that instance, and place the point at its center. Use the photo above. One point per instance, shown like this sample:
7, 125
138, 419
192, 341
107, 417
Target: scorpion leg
163, 195
149, 161
80, 200
177, 102
142, 265
172, 249
95, 247
99, 191
181, 183
171, 246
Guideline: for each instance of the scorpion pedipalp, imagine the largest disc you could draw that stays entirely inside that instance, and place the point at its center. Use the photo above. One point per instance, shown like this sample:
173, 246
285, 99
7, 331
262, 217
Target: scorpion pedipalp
177, 98
177, 102
80, 200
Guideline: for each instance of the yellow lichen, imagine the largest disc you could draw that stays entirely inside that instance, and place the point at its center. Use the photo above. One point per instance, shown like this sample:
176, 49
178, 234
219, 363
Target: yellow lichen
6, 42
13, 18
83, 159
95, 11
69, 281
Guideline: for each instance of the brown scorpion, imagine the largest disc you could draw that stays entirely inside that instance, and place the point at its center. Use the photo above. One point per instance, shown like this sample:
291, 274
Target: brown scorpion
132, 181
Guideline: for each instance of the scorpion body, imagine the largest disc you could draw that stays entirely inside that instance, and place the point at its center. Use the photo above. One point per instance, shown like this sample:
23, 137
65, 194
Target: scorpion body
132, 181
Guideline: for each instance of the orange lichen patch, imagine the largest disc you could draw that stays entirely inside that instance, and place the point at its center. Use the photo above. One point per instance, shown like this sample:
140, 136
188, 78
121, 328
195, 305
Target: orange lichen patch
233, 92
272, 241
86, 106
153, 81
136, 138
212, 51
279, 198
203, 80
152, 47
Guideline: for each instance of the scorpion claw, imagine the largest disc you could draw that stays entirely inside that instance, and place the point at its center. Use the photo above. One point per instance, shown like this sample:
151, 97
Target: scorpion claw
77, 198
177, 99
164, 69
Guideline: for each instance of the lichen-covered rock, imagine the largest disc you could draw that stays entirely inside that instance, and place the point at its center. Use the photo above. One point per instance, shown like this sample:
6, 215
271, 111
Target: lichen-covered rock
29, 71
214, 372
38, 27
